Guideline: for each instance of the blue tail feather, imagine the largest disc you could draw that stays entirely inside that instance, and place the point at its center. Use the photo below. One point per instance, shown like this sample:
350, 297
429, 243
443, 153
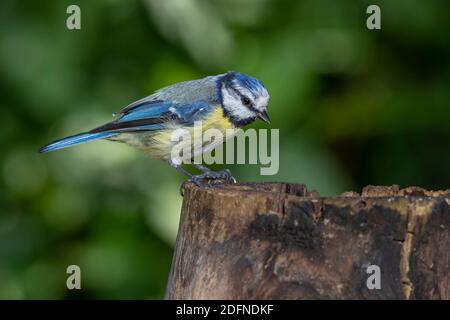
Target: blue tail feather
74, 140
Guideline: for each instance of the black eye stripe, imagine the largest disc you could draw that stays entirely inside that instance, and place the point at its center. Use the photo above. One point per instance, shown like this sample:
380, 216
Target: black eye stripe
246, 101
252, 92
240, 95
237, 92
250, 106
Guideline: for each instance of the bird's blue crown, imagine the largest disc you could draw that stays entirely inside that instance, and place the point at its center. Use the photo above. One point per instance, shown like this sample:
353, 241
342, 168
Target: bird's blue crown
235, 79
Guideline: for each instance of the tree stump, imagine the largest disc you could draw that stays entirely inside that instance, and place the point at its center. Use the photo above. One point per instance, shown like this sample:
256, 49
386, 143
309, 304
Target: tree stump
279, 241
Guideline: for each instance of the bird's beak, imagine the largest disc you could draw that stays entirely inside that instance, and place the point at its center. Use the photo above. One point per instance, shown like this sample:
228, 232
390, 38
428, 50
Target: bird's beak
264, 116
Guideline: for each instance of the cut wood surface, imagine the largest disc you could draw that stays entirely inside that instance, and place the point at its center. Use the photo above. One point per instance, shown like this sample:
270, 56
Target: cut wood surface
279, 241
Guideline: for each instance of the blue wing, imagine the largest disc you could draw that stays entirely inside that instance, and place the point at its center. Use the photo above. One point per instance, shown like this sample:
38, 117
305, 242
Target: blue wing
157, 114
143, 115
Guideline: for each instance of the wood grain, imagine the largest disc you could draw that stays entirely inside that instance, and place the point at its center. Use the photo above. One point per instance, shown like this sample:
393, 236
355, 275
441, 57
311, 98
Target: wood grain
279, 241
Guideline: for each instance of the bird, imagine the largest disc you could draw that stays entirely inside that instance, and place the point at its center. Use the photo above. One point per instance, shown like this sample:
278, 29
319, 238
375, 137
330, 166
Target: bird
227, 101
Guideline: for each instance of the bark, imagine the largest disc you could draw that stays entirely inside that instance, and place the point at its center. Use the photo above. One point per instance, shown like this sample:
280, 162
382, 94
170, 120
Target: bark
279, 241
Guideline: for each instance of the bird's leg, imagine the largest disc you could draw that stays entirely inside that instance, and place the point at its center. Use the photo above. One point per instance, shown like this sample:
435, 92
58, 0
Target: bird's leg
195, 179
206, 174
209, 174
202, 168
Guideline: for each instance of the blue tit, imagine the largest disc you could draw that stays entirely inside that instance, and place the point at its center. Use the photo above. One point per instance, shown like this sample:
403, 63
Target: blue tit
225, 101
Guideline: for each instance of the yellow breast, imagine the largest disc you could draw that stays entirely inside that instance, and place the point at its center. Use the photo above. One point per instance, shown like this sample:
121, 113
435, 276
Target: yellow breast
217, 120
160, 145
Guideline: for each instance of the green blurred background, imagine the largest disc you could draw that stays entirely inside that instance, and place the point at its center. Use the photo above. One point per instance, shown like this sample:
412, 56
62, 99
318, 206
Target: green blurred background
354, 107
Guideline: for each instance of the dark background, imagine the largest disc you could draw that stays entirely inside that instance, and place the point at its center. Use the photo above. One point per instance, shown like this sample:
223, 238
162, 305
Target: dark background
353, 106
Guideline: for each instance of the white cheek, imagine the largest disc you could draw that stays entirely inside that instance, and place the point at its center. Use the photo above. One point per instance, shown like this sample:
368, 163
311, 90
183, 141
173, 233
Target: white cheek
234, 106
262, 103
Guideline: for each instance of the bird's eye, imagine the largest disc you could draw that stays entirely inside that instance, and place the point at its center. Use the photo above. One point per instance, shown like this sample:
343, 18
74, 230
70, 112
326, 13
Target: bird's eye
246, 101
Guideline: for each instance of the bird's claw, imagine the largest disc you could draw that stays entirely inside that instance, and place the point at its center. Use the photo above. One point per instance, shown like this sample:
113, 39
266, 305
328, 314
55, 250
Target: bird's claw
226, 175
194, 179
208, 175
218, 175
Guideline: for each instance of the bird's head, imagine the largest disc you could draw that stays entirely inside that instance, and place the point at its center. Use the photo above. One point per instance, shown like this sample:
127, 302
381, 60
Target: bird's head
243, 98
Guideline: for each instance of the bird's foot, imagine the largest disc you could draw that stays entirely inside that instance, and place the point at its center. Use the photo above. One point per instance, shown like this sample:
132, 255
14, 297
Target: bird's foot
194, 179
198, 180
218, 175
